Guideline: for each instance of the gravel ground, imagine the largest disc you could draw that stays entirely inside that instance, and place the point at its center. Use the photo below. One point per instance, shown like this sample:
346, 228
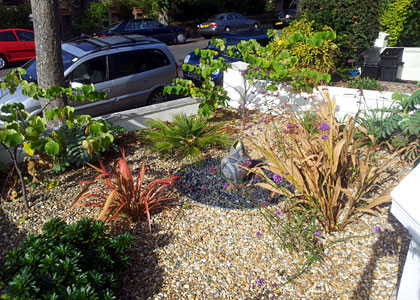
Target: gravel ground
200, 250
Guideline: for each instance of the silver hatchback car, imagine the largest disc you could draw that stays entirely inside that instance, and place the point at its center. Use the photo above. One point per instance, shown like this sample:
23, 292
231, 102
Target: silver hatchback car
132, 70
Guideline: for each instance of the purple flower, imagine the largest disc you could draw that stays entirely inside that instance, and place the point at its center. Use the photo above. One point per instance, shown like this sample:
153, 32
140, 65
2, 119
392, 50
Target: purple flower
248, 126
265, 120
384, 86
377, 228
203, 187
287, 173
260, 281
226, 185
289, 126
324, 137
255, 68
258, 234
279, 212
263, 91
248, 162
292, 186
400, 137
264, 203
317, 233
296, 126
273, 285
244, 71
324, 126
277, 178
252, 133
386, 230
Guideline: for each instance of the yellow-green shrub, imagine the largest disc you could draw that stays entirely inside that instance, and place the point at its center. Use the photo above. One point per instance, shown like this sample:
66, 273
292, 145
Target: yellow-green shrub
394, 18
315, 50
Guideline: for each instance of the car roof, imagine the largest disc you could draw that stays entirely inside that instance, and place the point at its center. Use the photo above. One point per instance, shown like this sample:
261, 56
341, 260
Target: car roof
85, 45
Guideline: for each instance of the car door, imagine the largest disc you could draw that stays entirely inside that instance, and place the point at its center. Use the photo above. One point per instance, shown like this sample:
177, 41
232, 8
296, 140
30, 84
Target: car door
9, 45
159, 31
93, 70
231, 22
137, 73
27, 43
241, 22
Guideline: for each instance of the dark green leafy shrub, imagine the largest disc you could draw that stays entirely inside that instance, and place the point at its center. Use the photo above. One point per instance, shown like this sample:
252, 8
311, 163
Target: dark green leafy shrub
356, 23
365, 83
187, 136
410, 36
75, 261
74, 141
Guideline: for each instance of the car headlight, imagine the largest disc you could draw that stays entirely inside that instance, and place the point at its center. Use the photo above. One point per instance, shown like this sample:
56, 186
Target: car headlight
187, 59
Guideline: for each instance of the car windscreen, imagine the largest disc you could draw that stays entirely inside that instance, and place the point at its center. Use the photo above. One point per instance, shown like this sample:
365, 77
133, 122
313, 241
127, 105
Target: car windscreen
215, 18
30, 67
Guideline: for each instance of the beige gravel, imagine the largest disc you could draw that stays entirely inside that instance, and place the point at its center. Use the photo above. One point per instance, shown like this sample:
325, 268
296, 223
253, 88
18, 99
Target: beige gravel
202, 252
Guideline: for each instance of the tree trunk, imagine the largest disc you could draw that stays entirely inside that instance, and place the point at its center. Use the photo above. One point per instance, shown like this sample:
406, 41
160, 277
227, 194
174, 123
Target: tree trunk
49, 61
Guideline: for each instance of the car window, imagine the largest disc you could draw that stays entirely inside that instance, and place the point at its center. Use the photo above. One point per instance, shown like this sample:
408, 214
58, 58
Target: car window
151, 23
239, 17
7, 36
230, 17
219, 18
25, 36
156, 59
91, 71
135, 25
127, 63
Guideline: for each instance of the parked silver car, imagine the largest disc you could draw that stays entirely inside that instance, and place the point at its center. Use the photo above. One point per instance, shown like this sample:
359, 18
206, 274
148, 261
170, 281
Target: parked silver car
226, 23
132, 70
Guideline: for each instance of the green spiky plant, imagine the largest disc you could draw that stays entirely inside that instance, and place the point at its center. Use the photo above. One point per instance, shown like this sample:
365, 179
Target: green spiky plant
185, 136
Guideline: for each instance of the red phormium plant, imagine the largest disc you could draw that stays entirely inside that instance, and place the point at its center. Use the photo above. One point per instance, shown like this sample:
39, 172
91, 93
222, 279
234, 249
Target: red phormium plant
125, 195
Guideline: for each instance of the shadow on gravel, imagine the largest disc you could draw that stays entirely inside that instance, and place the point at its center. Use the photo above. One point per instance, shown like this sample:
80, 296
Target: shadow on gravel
144, 278
203, 182
10, 237
388, 243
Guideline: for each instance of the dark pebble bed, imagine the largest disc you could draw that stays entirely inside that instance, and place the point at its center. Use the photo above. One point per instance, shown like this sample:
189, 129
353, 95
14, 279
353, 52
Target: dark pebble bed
204, 183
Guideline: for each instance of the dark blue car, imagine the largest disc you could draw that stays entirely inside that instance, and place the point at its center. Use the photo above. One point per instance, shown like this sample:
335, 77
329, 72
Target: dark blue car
231, 39
150, 27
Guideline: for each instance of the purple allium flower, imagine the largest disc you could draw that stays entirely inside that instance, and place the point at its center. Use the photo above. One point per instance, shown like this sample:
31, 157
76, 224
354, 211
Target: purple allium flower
324, 126
252, 133
244, 71
265, 120
324, 137
289, 126
248, 126
256, 176
260, 281
400, 137
255, 68
287, 173
273, 285
277, 178
384, 86
317, 233
263, 91
377, 228
279, 212
246, 134
296, 126
226, 185
292, 186
258, 234
248, 162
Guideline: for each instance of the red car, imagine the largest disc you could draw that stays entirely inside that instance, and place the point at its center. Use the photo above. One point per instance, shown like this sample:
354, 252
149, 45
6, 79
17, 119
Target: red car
16, 45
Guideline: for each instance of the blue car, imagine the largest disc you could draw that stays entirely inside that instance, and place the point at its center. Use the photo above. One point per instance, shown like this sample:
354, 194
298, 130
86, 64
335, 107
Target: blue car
228, 22
231, 39
150, 27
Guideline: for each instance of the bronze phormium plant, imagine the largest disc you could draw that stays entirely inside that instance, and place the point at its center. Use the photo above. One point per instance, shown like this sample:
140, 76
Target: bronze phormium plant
334, 176
132, 197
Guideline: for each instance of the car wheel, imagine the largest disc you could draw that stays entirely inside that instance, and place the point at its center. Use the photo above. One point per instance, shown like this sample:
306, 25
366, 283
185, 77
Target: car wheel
227, 29
3, 62
256, 26
180, 37
157, 96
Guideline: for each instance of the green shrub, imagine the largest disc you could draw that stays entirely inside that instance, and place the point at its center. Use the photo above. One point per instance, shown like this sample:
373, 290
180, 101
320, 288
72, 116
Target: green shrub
356, 23
187, 136
410, 36
15, 16
75, 261
364, 82
315, 50
394, 18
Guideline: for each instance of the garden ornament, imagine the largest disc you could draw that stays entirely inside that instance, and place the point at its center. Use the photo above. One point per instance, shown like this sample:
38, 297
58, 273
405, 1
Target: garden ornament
231, 163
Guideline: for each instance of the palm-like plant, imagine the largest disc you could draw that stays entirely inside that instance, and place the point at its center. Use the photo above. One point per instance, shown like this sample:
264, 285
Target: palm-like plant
186, 136
126, 195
